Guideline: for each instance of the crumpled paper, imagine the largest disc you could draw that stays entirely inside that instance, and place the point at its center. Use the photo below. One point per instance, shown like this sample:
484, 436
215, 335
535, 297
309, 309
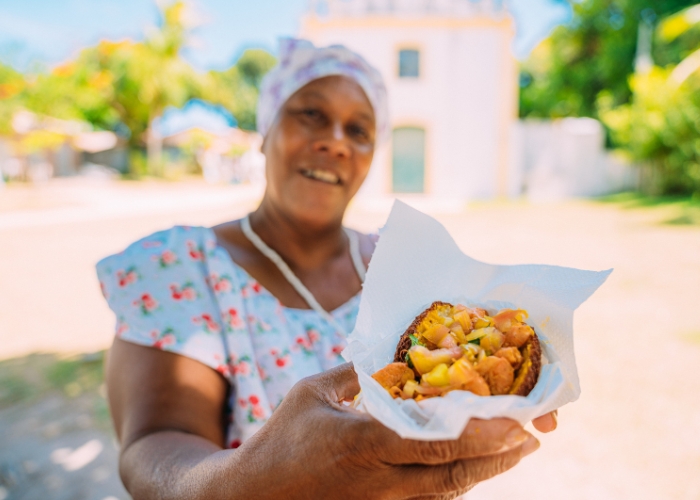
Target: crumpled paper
417, 262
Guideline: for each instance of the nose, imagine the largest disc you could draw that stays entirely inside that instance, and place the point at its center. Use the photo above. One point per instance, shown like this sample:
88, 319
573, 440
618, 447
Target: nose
334, 142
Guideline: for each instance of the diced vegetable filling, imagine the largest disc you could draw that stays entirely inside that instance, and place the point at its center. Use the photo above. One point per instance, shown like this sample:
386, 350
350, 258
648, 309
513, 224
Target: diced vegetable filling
460, 348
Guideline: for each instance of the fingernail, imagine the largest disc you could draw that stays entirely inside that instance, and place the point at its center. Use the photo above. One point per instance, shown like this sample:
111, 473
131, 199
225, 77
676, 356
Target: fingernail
529, 446
555, 419
516, 437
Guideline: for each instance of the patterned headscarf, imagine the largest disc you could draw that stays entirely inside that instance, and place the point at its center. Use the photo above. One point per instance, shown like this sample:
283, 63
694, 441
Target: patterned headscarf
300, 62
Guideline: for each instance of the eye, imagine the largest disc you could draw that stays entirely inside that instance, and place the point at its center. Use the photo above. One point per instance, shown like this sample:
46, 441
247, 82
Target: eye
358, 131
312, 113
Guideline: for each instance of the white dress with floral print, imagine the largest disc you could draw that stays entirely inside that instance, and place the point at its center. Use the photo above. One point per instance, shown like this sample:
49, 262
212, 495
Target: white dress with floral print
178, 291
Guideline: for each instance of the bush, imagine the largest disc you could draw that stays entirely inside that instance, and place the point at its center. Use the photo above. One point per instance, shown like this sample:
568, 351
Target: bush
660, 129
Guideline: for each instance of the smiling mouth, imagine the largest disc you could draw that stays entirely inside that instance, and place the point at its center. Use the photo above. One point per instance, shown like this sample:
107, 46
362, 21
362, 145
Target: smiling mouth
321, 175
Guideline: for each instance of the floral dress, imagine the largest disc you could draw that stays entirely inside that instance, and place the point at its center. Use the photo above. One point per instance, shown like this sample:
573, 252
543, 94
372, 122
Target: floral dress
178, 291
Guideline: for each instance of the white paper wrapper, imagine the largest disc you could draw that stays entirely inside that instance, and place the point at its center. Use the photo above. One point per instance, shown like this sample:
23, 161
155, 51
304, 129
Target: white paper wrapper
417, 262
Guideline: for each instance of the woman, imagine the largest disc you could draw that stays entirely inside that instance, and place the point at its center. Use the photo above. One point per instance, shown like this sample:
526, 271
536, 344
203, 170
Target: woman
219, 327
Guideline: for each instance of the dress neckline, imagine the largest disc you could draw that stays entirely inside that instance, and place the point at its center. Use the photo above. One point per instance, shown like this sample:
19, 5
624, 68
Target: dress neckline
249, 278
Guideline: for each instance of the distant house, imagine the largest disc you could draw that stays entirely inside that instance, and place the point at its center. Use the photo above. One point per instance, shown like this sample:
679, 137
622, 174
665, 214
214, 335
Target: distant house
223, 151
452, 84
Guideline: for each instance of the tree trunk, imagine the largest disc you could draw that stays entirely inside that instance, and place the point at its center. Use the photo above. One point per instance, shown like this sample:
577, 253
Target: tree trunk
154, 151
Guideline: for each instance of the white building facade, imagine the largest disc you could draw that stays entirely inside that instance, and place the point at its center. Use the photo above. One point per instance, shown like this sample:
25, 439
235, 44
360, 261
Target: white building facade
453, 95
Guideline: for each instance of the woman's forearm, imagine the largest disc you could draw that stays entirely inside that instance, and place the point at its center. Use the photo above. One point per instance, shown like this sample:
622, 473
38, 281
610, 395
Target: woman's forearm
174, 465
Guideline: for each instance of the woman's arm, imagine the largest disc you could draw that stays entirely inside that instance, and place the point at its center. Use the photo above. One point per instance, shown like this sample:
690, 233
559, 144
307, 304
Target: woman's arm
168, 412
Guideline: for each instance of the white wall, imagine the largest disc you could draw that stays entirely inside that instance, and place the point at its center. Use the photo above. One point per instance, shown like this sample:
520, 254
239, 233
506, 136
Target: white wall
566, 158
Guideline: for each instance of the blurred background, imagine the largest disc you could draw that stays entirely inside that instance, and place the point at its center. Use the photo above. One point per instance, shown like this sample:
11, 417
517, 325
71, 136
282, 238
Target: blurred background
573, 127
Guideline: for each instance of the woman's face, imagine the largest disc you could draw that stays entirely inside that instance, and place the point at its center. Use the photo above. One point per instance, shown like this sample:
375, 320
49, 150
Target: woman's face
319, 150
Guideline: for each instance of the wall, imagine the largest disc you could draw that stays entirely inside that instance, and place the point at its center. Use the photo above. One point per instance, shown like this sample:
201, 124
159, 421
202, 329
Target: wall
565, 158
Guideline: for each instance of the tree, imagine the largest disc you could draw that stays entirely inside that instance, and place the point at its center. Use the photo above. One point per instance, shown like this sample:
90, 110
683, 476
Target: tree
594, 53
660, 128
238, 87
12, 86
124, 86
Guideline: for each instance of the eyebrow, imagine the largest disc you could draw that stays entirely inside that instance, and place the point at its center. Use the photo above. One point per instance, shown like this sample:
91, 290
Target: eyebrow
318, 95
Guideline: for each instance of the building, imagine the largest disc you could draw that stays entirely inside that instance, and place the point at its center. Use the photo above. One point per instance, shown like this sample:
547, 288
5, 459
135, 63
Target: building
453, 95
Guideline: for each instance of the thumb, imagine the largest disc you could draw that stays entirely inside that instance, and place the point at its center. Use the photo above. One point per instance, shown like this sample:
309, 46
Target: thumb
339, 383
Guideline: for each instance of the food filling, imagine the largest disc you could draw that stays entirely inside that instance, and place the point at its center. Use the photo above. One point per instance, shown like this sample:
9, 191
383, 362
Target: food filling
461, 348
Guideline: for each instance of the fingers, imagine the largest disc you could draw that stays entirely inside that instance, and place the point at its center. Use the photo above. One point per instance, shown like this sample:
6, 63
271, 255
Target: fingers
426, 481
546, 423
480, 438
338, 384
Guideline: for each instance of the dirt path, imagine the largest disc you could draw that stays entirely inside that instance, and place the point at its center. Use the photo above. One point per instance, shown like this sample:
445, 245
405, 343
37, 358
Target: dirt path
635, 432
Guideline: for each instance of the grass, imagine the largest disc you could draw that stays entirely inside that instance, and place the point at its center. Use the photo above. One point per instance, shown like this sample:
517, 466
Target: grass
671, 210
31, 377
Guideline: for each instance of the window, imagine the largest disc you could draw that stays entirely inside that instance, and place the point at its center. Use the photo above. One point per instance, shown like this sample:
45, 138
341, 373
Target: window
409, 63
408, 160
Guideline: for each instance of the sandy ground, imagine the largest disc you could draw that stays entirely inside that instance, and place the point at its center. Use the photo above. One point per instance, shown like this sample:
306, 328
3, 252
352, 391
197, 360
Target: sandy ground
634, 433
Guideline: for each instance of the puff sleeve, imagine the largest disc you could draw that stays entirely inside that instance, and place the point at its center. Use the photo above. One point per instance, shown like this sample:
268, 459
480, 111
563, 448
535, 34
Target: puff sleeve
159, 291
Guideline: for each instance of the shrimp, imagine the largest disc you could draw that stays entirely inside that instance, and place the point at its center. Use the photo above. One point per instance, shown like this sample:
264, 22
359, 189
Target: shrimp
393, 375
498, 374
517, 335
512, 355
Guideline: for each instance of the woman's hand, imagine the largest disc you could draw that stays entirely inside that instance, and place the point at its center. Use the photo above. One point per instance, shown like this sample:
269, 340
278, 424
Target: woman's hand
168, 413
315, 447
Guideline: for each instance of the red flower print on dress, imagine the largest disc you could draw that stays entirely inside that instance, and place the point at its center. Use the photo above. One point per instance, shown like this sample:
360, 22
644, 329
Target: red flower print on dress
206, 320
185, 292
220, 284
232, 319
223, 366
282, 359
301, 341
256, 412
242, 366
255, 286
223, 369
122, 328
235, 444
146, 303
262, 373
127, 277
260, 325
195, 252
336, 351
163, 339
313, 334
166, 259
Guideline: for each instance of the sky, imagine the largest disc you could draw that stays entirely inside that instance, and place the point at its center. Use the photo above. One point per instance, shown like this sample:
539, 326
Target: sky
48, 32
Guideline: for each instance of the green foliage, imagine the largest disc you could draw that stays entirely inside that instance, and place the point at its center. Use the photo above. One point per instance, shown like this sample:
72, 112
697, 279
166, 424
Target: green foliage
118, 85
24, 379
661, 129
675, 210
238, 87
594, 53
12, 85
677, 37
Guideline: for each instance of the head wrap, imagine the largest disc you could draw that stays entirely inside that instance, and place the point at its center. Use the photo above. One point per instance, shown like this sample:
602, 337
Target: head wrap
300, 62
